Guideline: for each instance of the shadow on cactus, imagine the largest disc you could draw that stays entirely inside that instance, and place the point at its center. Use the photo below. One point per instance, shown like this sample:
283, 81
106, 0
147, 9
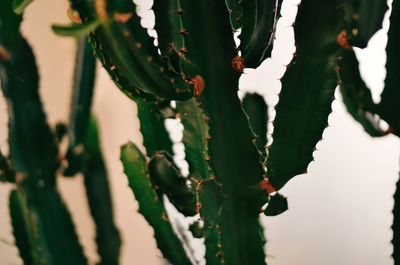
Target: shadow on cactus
192, 76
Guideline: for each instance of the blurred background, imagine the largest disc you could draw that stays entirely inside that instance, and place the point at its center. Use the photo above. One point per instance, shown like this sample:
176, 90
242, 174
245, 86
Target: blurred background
339, 213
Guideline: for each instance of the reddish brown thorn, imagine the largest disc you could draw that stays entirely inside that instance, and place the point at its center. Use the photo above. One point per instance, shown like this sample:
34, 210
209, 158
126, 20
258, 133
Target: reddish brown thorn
122, 17
73, 15
164, 216
198, 83
4, 54
238, 64
183, 50
341, 39
180, 11
266, 185
183, 32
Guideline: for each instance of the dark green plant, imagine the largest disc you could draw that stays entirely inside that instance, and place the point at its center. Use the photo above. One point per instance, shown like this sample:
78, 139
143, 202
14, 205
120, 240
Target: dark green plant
192, 76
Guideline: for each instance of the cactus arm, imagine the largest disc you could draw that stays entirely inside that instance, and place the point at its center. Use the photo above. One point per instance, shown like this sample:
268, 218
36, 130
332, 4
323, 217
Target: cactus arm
22, 228
209, 193
75, 29
133, 53
388, 108
232, 156
356, 95
307, 92
33, 147
155, 136
99, 197
257, 111
195, 138
168, 25
396, 224
6, 172
235, 13
364, 19
258, 20
150, 206
166, 178
20, 5
83, 86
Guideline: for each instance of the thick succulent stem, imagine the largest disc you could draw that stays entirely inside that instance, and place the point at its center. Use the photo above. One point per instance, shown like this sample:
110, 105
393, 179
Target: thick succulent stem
99, 197
33, 147
388, 108
310, 81
150, 206
232, 155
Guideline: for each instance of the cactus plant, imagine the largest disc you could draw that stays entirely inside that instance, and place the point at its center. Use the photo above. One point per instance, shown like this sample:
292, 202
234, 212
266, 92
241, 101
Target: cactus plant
193, 74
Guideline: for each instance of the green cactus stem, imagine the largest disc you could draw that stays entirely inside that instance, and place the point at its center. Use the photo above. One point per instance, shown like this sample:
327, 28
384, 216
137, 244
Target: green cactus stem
6, 172
20, 5
75, 29
259, 18
364, 18
150, 206
33, 147
83, 86
388, 108
131, 50
257, 112
232, 156
356, 95
310, 81
166, 177
99, 197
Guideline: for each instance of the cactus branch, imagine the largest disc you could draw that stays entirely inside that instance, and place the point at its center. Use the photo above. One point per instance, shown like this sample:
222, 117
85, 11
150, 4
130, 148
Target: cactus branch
150, 206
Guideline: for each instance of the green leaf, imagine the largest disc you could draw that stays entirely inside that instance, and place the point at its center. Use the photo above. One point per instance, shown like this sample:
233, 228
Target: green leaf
308, 88
20, 5
356, 95
258, 20
150, 206
75, 29
388, 108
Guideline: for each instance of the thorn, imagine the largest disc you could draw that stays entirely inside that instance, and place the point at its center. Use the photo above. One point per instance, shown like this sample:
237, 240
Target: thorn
4, 54
164, 216
238, 64
122, 17
180, 11
138, 45
183, 32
